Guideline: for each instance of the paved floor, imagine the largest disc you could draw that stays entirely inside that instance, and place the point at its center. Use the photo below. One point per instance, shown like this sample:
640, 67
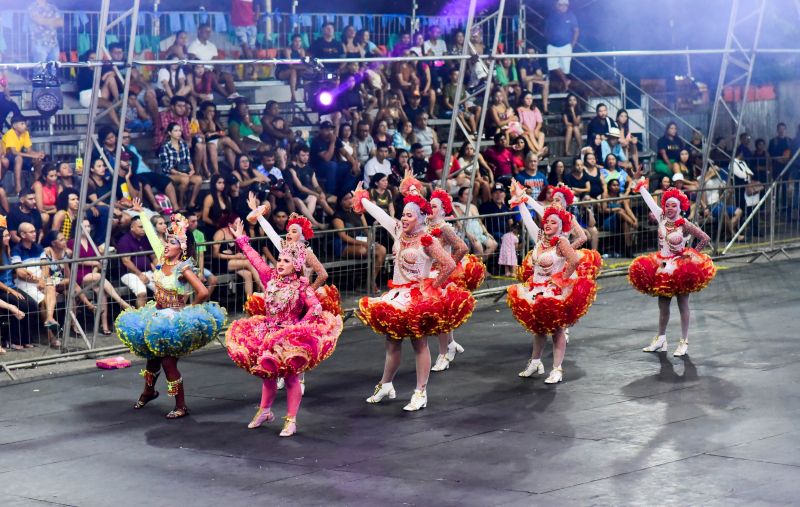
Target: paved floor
626, 428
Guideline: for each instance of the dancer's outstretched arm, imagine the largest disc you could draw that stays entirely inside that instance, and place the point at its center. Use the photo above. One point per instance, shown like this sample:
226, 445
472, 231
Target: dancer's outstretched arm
152, 236
264, 271
519, 199
259, 211
655, 209
362, 201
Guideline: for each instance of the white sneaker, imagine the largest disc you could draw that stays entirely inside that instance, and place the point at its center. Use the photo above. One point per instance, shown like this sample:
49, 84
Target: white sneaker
382, 391
534, 366
441, 363
659, 344
281, 383
418, 400
453, 348
556, 376
566, 334
303, 386
683, 348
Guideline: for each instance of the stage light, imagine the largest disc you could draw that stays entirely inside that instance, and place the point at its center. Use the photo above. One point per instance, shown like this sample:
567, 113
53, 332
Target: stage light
325, 98
47, 97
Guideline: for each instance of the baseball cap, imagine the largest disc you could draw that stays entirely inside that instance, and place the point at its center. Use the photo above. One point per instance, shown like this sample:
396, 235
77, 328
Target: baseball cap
678, 177
498, 187
325, 125
613, 132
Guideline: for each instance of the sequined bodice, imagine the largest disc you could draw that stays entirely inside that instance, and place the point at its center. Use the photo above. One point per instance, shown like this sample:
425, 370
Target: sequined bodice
671, 240
546, 263
170, 291
284, 299
412, 263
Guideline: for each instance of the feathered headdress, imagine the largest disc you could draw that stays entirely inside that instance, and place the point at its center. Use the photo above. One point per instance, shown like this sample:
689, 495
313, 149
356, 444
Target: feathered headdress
569, 197
424, 206
178, 225
303, 223
296, 251
445, 199
674, 193
563, 215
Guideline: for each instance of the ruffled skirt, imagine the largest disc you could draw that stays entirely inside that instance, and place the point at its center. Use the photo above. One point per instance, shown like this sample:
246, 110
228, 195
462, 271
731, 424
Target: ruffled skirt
544, 308
655, 275
470, 272
328, 295
151, 333
417, 310
266, 349
588, 266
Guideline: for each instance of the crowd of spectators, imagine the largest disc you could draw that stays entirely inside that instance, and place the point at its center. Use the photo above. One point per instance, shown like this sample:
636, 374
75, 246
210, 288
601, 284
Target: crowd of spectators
215, 168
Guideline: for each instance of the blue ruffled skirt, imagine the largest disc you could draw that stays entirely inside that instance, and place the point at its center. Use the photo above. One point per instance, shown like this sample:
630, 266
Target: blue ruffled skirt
151, 333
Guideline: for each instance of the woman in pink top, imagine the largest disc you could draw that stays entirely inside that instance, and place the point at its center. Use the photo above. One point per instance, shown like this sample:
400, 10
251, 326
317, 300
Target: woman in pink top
531, 119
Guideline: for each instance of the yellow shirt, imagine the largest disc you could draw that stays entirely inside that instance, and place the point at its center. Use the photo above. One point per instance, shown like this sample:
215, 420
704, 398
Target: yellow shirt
12, 140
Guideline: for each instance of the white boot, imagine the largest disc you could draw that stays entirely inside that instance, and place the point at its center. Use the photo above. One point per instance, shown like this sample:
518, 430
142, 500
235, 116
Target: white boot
418, 400
441, 363
556, 376
683, 348
453, 348
534, 366
658, 344
382, 391
566, 334
281, 383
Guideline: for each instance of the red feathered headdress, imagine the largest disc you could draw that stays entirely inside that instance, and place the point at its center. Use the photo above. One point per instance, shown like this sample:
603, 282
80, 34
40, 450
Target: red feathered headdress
569, 197
303, 222
444, 197
424, 206
674, 193
563, 215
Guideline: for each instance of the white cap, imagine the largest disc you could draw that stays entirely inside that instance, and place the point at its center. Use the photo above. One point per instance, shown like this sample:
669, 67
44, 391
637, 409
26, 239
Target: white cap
613, 132
678, 177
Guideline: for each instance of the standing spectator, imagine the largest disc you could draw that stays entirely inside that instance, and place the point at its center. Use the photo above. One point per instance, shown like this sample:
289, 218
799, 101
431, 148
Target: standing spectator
496, 226
669, 149
25, 211
425, 135
779, 150
531, 178
336, 176
177, 164
203, 49
18, 147
572, 123
501, 159
477, 231
138, 263
562, 33
45, 19
508, 251
365, 145
22, 329
244, 14
379, 164
327, 47
307, 192
530, 75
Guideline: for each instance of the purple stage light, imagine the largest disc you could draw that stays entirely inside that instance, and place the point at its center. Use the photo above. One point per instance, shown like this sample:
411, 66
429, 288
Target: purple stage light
325, 99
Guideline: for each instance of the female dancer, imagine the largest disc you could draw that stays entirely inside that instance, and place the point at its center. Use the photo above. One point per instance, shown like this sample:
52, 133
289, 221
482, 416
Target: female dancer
167, 329
554, 297
293, 336
419, 302
675, 270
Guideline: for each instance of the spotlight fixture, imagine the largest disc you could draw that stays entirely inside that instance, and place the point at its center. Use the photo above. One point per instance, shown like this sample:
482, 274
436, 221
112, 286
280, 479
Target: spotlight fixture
47, 97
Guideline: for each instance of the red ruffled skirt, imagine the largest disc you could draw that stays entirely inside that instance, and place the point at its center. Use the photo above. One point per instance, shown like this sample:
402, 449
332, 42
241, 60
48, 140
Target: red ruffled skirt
470, 272
544, 308
263, 348
655, 275
588, 266
328, 296
416, 310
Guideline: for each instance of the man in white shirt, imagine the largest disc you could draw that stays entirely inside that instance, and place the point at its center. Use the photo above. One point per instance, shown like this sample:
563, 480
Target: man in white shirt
377, 164
434, 46
203, 49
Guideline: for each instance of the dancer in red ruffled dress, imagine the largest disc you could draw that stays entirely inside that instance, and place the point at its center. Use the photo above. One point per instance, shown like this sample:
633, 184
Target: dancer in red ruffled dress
555, 296
293, 336
420, 302
676, 270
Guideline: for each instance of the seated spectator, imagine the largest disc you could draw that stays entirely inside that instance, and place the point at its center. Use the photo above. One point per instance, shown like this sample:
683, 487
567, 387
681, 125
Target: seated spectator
531, 120
597, 186
203, 49
599, 127
67, 177
277, 131
216, 137
137, 119
496, 226
278, 219
32, 280
326, 149
108, 92
150, 182
468, 111
425, 86
202, 82
292, 73
478, 236
176, 163
413, 107
138, 273
179, 46
530, 178
138, 86
307, 192
520, 148
380, 194
380, 134
611, 146
682, 167
245, 128
364, 144
669, 149
250, 179
712, 203
327, 47
99, 193
206, 276
403, 137
436, 169
217, 206
556, 172
46, 190
469, 162
227, 258
505, 75
629, 142
67, 209
87, 275
419, 163
619, 217
379, 164
393, 112
22, 328
7, 106
351, 243
19, 150
400, 164
502, 119
25, 211
171, 81
501, 159
530, 75
352, 49
571, 116
178, 113
280, 192
425, 135
238, 197
612, 171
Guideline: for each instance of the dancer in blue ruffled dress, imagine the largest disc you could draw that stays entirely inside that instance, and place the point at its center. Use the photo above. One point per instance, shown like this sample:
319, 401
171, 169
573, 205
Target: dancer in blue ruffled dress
168, 328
